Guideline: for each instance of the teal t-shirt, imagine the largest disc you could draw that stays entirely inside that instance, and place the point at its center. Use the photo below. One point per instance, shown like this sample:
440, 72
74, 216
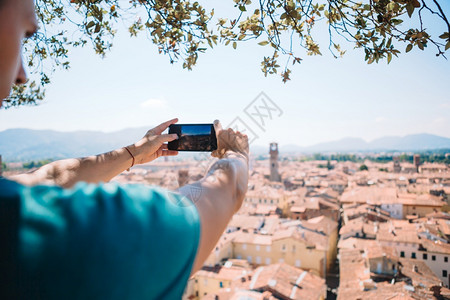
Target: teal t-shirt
101, 241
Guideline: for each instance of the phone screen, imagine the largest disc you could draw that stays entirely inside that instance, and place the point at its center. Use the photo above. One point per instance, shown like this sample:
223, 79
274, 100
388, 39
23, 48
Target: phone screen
193, 137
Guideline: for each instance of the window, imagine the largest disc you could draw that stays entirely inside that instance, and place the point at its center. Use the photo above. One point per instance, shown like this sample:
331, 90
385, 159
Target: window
283, 247
257, 247
413, 255
425, 256
271, 201
445, 258
268, 248
221, 284
244, 246
433, 257
268, 261
444, 273
281, 260
297, 263
249, 259
258, 260
402, 253
293, 249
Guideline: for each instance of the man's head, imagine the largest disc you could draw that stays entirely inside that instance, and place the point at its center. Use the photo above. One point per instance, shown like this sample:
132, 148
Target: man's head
17, 21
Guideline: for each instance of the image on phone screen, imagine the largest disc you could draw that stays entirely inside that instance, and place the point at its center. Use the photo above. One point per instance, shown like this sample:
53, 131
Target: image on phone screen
193, 137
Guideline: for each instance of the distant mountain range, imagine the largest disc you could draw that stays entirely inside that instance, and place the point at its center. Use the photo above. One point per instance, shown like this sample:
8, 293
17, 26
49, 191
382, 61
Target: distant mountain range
27, 144
413, 142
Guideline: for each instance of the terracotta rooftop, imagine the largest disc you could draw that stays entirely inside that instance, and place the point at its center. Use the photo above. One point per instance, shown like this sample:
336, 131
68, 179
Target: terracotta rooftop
290, 282
419, 272
369, 195
355, 243
398, 231
251, 238
223, 272
246, 222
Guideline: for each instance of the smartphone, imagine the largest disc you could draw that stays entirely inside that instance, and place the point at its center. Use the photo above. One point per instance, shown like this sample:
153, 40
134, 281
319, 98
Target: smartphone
193, 137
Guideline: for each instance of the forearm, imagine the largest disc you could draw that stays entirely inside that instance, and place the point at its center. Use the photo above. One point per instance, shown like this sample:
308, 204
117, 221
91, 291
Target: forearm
92, 169
219, 196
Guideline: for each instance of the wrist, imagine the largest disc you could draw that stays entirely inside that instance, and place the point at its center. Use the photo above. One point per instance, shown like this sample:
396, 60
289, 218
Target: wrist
236, 155
131, 156
235, 166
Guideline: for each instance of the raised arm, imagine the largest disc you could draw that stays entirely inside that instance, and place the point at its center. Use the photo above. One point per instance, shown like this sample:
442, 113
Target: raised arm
221, 192
102, 167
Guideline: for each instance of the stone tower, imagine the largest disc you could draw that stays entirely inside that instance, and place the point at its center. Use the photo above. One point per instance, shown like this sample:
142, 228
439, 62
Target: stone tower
416, 161
274, 174
397, 167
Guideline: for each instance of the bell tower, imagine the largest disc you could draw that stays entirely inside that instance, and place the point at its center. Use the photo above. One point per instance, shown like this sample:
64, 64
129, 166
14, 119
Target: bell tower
274, 174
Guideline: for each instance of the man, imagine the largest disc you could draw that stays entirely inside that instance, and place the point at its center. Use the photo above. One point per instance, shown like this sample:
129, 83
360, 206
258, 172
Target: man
105, 241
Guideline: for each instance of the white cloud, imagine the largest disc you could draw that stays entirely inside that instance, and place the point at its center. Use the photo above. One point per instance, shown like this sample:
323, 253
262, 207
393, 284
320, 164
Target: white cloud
380, 119
154, 103
439, 121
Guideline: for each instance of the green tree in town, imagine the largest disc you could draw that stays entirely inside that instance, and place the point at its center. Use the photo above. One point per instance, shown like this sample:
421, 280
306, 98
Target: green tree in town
183, 30
363, 168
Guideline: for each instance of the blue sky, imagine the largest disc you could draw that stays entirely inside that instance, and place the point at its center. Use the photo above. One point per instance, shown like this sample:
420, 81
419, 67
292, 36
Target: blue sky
326, 99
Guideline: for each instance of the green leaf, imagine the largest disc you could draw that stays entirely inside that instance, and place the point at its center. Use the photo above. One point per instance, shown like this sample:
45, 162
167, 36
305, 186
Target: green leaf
410, 9
97, 28
447, 46
409, 48
263, 43
234, 45
389, 57
420, 45
444, 36
90, 24
242, 8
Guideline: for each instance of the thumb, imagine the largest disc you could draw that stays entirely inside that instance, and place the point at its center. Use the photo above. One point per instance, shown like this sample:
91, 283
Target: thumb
217, 126
167, 137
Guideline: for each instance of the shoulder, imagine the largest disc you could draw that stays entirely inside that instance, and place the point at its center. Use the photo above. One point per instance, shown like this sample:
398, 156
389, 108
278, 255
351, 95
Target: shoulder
128, 235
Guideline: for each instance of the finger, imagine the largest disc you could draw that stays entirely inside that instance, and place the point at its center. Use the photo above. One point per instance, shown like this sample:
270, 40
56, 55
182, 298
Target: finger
164, 147
217, 126
163, 126
169, 153
167, 137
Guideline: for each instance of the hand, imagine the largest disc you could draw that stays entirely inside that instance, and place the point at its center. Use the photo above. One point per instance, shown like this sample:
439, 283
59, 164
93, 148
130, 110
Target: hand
233, 148
228, 140
153, 144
